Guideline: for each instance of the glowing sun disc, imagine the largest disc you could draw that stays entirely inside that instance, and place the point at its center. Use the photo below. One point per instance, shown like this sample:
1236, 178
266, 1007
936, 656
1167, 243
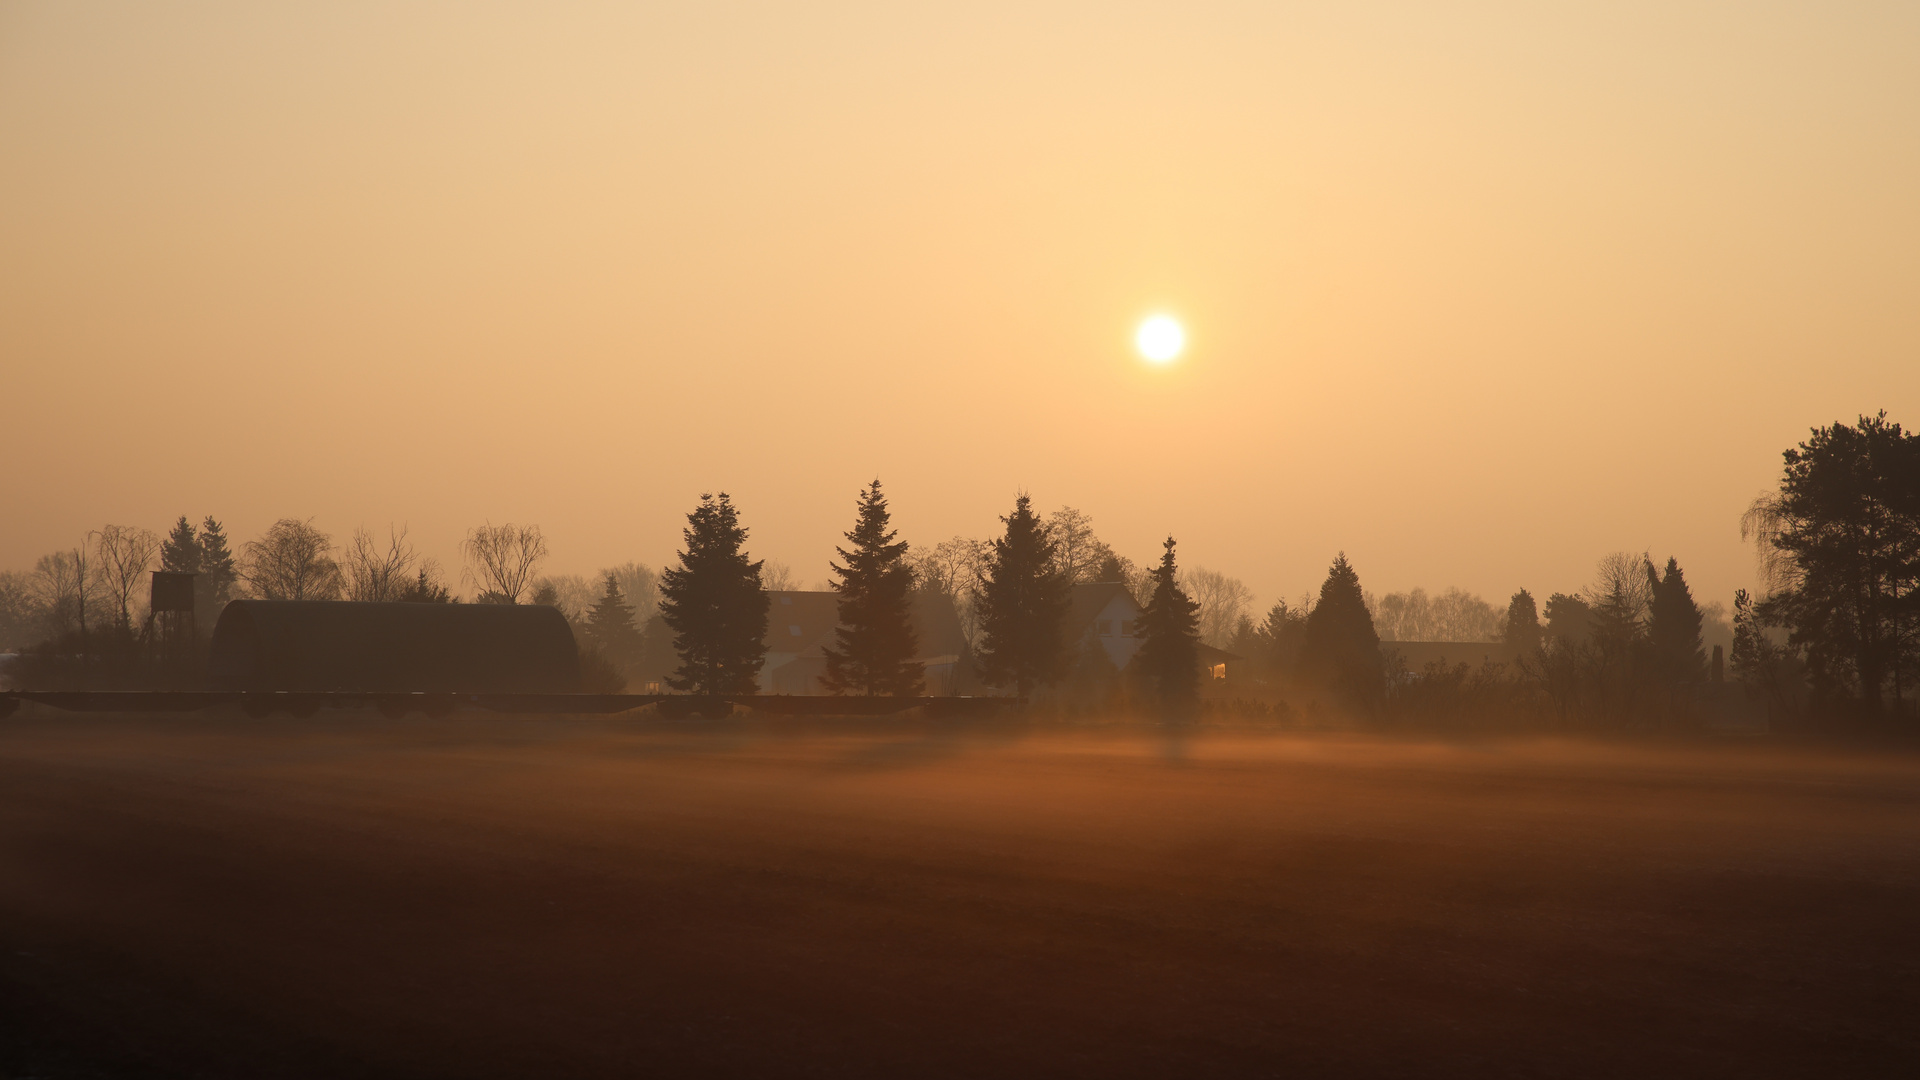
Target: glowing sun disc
1160, 339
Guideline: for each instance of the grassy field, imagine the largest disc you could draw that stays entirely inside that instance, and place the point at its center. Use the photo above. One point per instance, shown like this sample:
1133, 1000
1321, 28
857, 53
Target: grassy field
350, 896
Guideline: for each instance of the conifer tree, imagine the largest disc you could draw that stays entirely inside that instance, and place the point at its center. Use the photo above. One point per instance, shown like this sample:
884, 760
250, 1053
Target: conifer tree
1673, 626
610, 626
714, 604
218, 572
1756, 661
1280, 637
181, 554
874, 645
1522, 633
1341, 650
1023, 607
426, 588
1168, 663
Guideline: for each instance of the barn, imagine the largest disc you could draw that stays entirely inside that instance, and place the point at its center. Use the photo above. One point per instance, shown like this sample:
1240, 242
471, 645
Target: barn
392, 648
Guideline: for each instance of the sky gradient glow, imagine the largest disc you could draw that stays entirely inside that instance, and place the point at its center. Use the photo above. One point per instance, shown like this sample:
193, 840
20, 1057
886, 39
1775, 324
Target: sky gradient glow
1475, 292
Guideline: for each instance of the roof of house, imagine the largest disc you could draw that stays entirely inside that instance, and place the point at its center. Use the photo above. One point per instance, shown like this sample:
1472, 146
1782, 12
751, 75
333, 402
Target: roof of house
803, 622
1210, 656
1089, 600
797, 621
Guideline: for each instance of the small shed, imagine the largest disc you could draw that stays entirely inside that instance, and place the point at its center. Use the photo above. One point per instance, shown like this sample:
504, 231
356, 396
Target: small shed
392, 648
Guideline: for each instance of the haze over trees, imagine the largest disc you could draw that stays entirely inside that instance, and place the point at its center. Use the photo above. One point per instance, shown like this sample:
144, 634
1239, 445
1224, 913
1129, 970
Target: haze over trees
1835, 632
1453, 615
1220, 602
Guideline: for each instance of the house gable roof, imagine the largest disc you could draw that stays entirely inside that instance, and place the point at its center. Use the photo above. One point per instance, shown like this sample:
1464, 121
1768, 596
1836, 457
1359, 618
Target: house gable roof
803, 622
1090, 600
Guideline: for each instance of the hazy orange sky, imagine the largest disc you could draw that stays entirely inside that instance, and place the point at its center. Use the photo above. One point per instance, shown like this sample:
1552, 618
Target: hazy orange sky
1476, 291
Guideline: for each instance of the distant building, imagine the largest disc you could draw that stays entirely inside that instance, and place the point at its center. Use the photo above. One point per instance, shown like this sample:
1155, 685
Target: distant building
341, 645
1107, 612
800, 626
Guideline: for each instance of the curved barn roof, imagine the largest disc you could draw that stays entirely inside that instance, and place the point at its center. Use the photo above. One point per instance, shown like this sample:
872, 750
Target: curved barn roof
392, 647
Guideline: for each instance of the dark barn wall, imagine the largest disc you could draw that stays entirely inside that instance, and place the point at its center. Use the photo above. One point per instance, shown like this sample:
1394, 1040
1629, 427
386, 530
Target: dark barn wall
344, 645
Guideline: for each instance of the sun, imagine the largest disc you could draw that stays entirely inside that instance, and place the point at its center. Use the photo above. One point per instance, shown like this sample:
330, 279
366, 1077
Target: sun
1160, 339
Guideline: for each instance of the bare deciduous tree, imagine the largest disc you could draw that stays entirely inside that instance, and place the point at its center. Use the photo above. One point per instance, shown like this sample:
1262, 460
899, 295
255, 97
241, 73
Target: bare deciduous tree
376, 574
18, 613
953, 569
123, 554
291, 561
1223, 602
501, 559
1077, 552
1620, 589
1454, 615
63, 589
641, 586
776, 576
571, 593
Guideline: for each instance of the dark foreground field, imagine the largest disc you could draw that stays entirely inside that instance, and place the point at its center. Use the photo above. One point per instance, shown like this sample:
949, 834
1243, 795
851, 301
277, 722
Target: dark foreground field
346, 896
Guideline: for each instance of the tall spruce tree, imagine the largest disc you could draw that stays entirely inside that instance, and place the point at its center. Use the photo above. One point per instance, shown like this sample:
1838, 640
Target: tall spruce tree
180, 553
610, 626
218, 572
1023, 607
1673, 627
874, 645
1167, 667
1342, 651
714, 604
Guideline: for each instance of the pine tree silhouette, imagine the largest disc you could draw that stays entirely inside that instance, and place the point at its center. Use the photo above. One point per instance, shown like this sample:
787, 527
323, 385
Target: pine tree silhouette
1168, 663
1023, 604
181, 553
218, 574
1522, 633
714, 604
1673, 626
874, 645
610, 626
1342, 651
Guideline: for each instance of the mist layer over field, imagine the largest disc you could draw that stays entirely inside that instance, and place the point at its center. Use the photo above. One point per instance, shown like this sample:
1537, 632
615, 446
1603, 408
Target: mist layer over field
478, 896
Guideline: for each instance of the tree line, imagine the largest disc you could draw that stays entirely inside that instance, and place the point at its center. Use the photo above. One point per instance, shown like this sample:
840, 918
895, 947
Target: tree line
1834, 631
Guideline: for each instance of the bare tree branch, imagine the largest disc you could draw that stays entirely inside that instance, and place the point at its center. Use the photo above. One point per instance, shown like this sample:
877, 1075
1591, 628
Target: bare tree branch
123, 555
374, 574
291, 561
501, 559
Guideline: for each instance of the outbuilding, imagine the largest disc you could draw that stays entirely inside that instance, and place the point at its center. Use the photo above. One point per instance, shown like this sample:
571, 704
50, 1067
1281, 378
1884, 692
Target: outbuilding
339, 645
